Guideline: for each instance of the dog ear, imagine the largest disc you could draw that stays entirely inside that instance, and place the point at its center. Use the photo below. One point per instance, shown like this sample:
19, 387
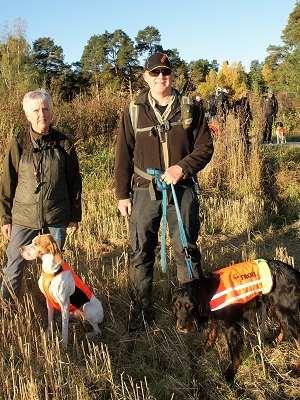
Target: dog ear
52, 246
54, 250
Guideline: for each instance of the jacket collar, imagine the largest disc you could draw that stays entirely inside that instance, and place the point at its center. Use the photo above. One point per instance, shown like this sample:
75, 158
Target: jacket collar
142, 97
38, 138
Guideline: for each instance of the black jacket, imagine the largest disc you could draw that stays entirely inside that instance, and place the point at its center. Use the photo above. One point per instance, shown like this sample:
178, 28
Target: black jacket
190, 148
270, 106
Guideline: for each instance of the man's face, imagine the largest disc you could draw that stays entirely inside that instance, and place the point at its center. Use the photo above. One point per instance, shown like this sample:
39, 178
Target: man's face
159, 81
39, 115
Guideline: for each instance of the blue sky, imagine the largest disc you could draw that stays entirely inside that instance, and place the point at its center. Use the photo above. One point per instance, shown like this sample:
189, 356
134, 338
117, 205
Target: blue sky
234, 30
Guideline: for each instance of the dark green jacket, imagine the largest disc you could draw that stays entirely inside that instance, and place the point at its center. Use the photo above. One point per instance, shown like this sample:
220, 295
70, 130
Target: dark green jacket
41, 184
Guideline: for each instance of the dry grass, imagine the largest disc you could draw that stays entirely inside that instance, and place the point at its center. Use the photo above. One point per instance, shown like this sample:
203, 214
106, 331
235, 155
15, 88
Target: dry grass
160, 364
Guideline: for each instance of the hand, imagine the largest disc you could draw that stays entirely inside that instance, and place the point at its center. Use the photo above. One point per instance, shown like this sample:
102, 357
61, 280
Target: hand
6, 231
125, 207
72, 228
172, 174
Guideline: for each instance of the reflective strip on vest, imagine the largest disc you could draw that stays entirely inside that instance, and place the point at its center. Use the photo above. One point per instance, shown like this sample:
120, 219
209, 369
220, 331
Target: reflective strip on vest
240, 283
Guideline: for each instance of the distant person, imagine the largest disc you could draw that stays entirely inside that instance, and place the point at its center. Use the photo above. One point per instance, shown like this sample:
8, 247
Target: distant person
211, 107
199, 100
219, 106
270, 109
280, 133
242, 111
168, 134
40, 188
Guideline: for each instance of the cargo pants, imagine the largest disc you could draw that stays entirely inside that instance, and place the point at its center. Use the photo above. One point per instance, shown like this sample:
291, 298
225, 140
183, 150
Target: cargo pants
144, 224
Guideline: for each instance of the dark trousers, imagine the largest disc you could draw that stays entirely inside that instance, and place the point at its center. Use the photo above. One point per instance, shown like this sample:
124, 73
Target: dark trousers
13, 272
267, 135
144, 225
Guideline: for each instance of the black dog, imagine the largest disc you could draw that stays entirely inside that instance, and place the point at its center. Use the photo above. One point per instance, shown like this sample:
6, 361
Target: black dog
191, 303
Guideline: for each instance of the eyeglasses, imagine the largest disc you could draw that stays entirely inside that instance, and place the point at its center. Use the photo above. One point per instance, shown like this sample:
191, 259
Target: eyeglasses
163, 71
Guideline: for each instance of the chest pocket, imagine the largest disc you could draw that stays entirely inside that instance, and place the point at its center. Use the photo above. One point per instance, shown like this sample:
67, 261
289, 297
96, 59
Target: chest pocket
54, 173
25, 191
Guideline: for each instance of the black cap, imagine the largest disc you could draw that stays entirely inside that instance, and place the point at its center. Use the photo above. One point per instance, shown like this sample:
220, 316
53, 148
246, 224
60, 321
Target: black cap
157, 60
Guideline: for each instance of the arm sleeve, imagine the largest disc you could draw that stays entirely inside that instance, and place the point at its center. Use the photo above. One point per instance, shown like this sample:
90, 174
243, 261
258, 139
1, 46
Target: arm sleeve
9, 180
203, 147
74, 184
124, 165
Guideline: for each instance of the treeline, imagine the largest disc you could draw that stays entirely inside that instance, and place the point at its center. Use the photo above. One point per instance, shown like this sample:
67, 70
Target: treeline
114, 61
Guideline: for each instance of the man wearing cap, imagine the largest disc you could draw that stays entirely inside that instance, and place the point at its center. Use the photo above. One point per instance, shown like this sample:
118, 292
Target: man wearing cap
159, 130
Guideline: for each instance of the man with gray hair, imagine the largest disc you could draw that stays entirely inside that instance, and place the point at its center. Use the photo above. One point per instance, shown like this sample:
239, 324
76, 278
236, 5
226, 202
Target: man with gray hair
40, 189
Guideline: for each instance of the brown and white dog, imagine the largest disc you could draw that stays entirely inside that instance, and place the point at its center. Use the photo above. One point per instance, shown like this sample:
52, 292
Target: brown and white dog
280, 133
214, 299
63, 289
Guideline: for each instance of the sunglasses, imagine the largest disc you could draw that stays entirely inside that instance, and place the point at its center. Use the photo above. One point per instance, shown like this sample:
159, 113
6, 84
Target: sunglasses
163, 71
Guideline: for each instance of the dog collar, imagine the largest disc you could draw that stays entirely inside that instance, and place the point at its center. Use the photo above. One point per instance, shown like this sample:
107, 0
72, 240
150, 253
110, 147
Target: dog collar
59, 270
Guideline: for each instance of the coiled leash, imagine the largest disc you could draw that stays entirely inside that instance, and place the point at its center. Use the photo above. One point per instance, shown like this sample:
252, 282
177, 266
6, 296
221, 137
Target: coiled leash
164, 187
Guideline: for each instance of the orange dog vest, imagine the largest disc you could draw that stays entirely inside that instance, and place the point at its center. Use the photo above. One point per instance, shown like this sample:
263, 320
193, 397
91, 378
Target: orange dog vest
81, 295
240, 283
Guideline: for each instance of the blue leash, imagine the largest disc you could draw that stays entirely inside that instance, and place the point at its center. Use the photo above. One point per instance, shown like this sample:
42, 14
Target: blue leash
182, 235
164, 187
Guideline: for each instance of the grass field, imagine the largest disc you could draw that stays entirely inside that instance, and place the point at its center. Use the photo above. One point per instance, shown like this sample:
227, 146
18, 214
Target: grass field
249, 208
